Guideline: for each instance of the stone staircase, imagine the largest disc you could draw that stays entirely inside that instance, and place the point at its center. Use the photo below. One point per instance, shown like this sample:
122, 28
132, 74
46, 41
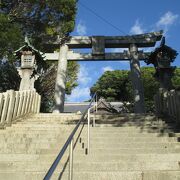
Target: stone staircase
126, 147
28, 147
132, 147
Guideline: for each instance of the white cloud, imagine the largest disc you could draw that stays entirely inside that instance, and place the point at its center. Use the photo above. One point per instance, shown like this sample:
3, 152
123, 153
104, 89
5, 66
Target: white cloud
81, 28
167, 19
107, 68
79, 94
83, 76
137, 28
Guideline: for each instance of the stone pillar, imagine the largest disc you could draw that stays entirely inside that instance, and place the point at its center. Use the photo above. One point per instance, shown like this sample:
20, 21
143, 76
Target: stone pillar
139, 106
61, 80
27, 82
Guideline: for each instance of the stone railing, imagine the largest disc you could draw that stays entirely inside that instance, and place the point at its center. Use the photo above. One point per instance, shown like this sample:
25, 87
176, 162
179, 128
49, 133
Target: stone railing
15, 104
167, 103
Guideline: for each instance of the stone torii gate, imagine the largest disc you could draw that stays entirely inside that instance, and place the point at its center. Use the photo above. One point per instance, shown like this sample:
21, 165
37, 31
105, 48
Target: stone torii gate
98, 44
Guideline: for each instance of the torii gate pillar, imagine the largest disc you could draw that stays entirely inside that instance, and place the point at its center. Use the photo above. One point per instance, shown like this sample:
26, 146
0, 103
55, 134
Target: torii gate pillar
137, 84
61, 80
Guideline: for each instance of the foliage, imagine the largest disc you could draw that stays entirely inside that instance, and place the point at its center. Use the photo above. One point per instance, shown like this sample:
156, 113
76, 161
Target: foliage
38, 20
176, 79
113, 86
10, 37
72, 76
116, 86
41, 18
9, 78
150, 87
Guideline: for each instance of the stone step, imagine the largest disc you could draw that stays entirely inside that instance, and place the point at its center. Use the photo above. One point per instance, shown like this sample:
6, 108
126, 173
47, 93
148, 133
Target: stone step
111, 175
35, 126
22, 136
51, 122
161, 131
25, 146
91, 158
124, 139
129, 133
117, 150
28, 141
126, 166
93, 166
54, 114
37, 131
47, 139
19, 157
140, 127
48, 121
125, 157
134, 145
125, 175
110, 128
40, 150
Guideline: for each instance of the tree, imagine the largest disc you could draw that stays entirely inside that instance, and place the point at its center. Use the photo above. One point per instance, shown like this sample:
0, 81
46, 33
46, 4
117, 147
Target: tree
113, 86
116, 86
9, 78
150, 87
176, 79
37, 20
10, 37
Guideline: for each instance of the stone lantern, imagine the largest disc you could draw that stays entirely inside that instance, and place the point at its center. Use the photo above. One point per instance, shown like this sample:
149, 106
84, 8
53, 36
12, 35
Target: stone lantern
27, 60
162, 58
27, 63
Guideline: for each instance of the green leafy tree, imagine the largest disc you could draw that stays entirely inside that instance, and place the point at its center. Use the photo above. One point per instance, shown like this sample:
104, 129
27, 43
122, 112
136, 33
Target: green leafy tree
113, 86
116, 86
10, 37
38, 20
150, 87
9, 79
176, 79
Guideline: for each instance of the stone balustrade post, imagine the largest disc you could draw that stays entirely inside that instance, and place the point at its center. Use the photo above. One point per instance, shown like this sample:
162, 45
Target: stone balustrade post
10, 106
17, 95
5, 107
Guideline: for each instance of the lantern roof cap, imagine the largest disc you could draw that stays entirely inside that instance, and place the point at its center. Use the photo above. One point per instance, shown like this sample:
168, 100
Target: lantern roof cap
172, 53
28, 47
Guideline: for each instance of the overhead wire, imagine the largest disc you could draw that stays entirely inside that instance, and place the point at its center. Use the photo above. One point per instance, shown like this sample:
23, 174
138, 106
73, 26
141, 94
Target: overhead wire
105, 20
100, 17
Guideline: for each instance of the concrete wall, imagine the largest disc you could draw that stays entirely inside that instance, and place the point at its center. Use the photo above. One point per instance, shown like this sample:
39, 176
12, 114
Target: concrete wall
14, 104
168, 103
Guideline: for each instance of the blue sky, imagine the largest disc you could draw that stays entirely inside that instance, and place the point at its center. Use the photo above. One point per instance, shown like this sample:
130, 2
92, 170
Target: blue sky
130, 17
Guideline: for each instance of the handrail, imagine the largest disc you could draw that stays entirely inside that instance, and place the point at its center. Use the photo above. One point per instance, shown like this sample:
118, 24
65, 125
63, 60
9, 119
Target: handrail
67, 143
